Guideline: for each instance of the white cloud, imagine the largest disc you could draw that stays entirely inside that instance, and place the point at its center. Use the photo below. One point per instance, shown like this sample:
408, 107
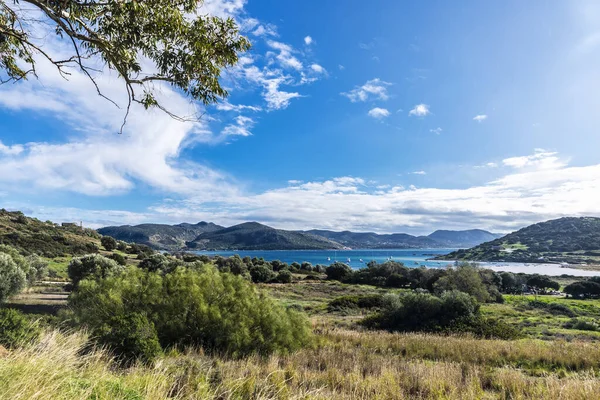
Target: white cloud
308, 40
487, 165
437, 131
318, 69
420, 110
265, 30
480, 118
225, 105
241, 127
378, 113
285, 56
419, 173
341, 67
11, 150
540, 159
373, 89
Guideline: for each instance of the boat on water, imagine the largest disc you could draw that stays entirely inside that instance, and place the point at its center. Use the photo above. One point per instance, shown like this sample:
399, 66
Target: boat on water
328, 258
360, 260
348, 260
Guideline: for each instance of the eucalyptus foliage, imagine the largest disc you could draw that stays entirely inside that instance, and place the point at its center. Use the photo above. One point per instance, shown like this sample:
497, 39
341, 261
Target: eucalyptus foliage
186, 49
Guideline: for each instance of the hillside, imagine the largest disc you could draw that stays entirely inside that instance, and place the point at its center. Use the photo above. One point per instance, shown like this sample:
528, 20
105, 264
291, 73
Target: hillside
571, 240
370, 240
205, 235
255, 236
32, 236
160, 235
468, 238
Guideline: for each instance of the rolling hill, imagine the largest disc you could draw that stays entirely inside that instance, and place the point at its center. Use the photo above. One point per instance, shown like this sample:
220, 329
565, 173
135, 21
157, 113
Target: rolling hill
160, 235
571, 240
255, 236
468, 238
47, 239
370, 240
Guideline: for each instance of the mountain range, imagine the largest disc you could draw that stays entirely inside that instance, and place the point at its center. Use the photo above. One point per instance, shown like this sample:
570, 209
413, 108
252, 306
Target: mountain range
256, 236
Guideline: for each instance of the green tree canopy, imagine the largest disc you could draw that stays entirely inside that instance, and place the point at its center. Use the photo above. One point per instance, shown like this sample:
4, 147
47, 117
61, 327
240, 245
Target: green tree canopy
186, 49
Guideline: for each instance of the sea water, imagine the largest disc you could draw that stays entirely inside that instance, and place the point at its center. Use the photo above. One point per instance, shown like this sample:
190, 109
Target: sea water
412, 258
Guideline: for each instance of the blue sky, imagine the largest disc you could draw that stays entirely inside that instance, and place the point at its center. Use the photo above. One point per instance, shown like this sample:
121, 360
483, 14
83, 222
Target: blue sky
386, 116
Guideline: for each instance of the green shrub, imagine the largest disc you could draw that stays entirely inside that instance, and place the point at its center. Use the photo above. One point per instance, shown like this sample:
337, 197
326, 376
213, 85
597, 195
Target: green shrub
38, 268
15, 329
12, 278
121, 245
422, 311
217, 311
338, 271
261, 274
581, 325
159, 263
92, 266
356, 302
284, 276
121, 260
552, 308
131, 336
109, 243
465, 278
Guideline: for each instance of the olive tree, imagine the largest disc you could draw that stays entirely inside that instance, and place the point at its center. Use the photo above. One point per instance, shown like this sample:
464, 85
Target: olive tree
12, 278
92, 266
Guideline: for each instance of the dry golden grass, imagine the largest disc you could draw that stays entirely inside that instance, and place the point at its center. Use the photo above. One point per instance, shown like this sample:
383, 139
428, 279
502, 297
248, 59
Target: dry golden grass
345, 365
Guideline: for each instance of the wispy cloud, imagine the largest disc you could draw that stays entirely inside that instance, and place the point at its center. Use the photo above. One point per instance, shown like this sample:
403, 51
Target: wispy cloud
379, 113
373, 89
308, 40
420, 110
480, 118
241, 127
437, 131
540, 159
419, 173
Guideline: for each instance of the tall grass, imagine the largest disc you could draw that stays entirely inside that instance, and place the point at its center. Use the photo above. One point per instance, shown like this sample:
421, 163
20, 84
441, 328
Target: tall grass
346, 365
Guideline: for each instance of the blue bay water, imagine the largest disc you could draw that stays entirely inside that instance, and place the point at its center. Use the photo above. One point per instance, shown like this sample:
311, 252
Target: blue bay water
412, 258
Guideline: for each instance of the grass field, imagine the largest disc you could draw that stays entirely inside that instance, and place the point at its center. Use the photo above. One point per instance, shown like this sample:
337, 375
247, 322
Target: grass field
346, 362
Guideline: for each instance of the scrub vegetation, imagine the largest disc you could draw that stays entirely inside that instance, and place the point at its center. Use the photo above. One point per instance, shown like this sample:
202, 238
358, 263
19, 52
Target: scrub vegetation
188, 327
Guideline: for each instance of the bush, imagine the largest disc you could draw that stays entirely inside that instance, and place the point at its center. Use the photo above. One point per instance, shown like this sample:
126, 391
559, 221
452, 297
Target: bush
121, 245
159, 263
12, 278
583, 289
15, 329
261, 274
109, 243
92, 266
582, 325
121, 260
423, 311
21, 261
552, 308
338, 271
131, 336
217, 311
38, 268
465, 278
356, 302
542, 283
284, 276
